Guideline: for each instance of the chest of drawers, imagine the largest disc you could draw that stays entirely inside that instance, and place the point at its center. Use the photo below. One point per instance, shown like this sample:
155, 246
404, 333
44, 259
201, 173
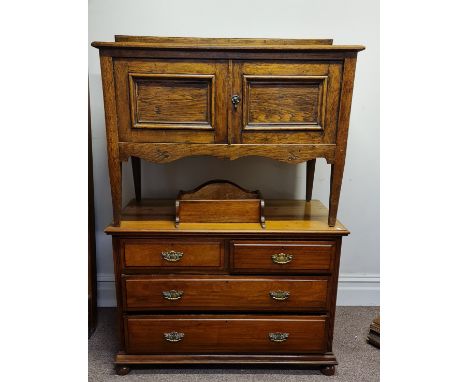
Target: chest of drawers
225, 293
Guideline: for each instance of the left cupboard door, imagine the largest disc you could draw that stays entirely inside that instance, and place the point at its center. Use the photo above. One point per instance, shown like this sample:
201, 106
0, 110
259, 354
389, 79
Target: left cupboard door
173, 101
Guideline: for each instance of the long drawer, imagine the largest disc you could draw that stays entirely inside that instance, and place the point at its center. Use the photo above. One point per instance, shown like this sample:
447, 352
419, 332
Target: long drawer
150, 292
170, 254
279, 257
225, 334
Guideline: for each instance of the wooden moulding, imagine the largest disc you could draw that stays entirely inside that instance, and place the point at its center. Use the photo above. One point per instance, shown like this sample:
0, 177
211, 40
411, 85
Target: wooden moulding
220, 201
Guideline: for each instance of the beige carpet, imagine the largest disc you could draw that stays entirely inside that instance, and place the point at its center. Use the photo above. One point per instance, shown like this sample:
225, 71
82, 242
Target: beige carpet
358, 361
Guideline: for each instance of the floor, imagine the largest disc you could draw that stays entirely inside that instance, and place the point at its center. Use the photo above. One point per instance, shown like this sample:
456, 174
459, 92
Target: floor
358, 361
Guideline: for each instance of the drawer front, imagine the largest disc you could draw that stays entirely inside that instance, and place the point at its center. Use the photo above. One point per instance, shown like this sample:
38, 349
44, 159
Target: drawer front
277, 257
172, 254
225, 334
224, 293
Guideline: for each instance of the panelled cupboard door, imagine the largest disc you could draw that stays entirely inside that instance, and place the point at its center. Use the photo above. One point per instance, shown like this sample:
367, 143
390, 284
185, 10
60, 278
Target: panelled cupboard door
171, 100
285, 102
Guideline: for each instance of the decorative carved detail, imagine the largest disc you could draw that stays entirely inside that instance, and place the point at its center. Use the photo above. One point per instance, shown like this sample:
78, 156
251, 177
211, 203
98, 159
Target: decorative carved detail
169, 152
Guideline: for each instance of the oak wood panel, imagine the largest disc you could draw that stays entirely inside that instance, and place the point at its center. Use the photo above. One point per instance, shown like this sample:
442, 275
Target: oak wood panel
279, 102
148, 253
226, 54
230, 293
169, 152
182, 100
283, 217
229, 42
225, 334
226, 211
127, 45
292, 102
306, 257
171, 102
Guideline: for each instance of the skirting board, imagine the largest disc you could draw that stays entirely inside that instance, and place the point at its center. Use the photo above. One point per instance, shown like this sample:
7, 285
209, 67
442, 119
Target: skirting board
354, 289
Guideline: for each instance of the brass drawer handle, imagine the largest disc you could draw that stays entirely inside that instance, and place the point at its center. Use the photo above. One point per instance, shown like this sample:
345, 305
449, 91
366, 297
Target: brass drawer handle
278, 336
173, 336
172, 255
279, 295
172, 294
281, 258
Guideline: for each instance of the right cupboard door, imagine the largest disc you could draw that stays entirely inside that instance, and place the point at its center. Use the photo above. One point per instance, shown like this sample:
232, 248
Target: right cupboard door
285, 102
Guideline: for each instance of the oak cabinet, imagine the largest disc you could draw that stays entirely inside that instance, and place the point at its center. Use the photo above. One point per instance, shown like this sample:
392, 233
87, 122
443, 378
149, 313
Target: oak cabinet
169, 98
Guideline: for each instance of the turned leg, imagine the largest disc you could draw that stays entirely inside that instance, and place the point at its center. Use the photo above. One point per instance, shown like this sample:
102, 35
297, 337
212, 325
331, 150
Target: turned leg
136, 169
122, 369
328, 370
310, 169
335, 189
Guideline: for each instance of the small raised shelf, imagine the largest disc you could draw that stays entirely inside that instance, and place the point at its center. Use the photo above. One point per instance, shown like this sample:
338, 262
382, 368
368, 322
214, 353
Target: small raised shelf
219, 201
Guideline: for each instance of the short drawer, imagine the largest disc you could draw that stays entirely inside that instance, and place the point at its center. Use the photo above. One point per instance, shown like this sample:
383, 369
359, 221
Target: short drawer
225, 334
278, 257
224, 293
172, 254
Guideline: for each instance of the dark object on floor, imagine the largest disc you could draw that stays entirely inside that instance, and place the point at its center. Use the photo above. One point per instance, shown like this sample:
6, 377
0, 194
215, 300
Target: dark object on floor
374, 333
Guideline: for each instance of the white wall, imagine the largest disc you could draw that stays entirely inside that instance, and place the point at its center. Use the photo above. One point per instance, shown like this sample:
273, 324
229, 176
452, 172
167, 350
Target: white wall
347, 22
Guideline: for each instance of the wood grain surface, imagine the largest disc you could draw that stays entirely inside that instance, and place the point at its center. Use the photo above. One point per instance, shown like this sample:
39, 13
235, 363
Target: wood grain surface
148, 253
282, 217
230, 42
224, 293
225, 334
169, 152
306, 257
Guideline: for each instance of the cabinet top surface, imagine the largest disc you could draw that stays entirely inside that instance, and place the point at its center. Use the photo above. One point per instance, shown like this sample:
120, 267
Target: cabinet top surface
200, 43
282, 216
